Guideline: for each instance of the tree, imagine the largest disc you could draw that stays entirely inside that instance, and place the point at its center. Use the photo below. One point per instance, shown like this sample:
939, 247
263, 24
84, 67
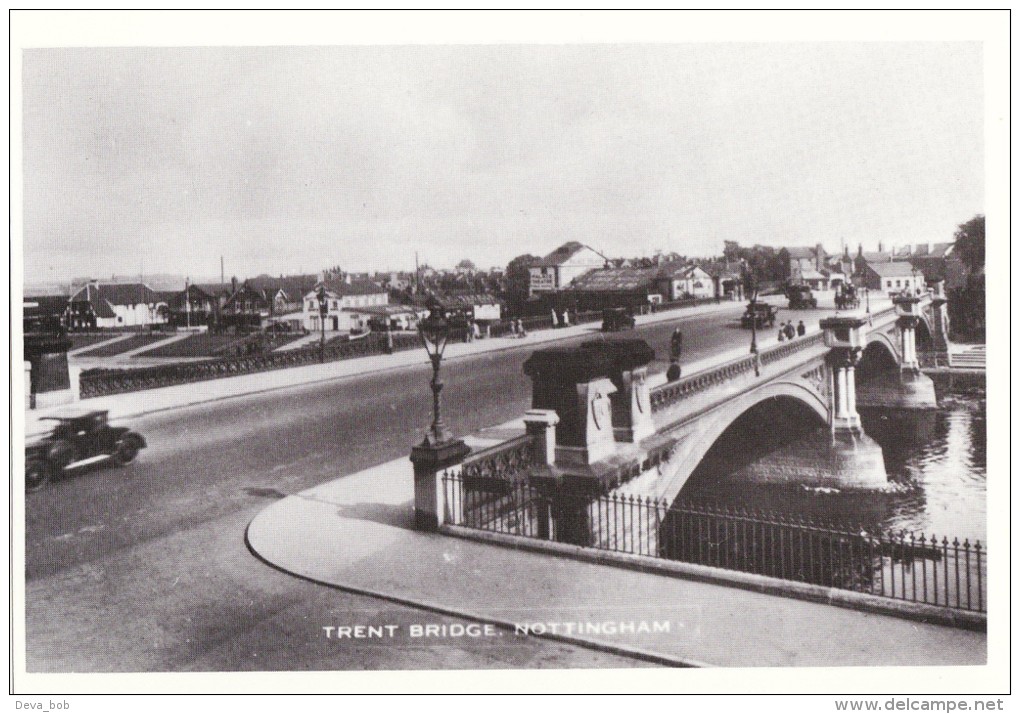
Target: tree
970, 244
466, 265
518, 279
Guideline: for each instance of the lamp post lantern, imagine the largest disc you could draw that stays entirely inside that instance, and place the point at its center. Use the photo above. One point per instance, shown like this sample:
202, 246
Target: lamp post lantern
323, 311
434, 331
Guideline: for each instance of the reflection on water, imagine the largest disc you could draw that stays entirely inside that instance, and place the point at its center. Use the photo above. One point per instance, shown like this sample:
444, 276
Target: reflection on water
936, 461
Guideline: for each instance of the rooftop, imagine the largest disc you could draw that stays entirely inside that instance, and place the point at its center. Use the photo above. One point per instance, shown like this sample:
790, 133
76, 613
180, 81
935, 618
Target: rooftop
895, 269
615, 279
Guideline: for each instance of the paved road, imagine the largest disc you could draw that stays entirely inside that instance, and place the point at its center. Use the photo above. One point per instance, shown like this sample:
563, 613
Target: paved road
144, 568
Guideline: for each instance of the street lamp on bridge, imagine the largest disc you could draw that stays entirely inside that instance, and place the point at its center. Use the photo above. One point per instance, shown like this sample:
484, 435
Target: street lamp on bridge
434, 331
750, 281
323, 311
439, 449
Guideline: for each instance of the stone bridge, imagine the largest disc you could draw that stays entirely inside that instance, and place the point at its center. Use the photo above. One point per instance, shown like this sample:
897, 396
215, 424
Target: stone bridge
598, 427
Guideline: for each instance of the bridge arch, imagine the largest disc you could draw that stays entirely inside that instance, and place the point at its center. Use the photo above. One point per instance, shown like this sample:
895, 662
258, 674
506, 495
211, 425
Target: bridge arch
923, 334
702, 435
880, 354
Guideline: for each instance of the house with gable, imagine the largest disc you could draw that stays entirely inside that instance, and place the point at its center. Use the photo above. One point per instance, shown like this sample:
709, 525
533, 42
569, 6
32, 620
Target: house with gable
680, 280
561, 267
347, 300
112, 305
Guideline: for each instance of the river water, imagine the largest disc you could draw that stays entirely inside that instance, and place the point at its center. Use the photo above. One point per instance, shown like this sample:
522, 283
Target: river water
936, 463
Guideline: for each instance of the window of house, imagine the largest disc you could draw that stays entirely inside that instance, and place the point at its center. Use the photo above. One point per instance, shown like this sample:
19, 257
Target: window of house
335, 304
898, 283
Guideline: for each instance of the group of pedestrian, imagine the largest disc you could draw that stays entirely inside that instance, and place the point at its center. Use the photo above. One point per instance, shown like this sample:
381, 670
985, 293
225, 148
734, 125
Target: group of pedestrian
559, 320
517, 328
787, 331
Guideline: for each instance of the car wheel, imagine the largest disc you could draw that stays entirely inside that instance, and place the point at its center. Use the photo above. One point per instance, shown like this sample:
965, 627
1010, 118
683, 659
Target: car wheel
37, 475
126, 451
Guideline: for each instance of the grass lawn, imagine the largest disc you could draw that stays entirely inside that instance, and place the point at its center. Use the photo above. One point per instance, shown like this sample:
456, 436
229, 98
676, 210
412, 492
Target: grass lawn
79, 340
201, 344
206, 345
123, 346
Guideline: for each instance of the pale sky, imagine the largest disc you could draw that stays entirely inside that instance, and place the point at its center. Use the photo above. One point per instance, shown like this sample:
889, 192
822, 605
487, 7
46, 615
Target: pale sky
287, 159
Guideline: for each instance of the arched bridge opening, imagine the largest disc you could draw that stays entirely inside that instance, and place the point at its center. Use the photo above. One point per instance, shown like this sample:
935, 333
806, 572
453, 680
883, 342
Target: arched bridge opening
763, 428
877, 359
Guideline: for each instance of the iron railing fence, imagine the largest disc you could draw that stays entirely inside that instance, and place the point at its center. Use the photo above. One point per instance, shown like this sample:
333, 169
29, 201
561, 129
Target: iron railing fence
898, 565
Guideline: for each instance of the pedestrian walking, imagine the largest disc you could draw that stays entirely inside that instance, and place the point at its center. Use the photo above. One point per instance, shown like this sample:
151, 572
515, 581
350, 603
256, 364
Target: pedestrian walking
513, 328
555, 320
801, 329
520, 328
566, 318
676, 344
782, 333
790, 330
673, 373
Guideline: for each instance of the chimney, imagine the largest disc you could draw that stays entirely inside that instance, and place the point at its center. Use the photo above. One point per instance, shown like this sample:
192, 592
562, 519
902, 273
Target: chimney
233, 284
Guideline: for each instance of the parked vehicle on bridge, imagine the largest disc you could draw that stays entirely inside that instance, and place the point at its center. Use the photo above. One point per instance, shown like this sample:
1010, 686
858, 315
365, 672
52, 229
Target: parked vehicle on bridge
760, 314
77, 441
617, 318
846, 298
800, 297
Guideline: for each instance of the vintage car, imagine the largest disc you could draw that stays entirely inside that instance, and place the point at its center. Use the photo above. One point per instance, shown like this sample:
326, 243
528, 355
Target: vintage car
800, 297
77, 441
759, 314
617, 318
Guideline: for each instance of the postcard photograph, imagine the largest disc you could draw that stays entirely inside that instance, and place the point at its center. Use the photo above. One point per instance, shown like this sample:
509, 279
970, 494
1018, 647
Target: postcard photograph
587, 358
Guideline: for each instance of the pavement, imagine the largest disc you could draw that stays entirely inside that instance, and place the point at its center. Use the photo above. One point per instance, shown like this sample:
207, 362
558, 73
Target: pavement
355, 534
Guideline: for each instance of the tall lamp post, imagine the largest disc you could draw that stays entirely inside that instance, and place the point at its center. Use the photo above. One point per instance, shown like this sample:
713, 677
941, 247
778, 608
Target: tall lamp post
750, 281
434, 332
323, 311
439, 449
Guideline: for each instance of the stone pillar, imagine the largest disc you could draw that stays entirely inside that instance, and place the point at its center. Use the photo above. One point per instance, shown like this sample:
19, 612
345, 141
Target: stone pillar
595, 415
429, 463
29, 396
907, 325
851, 392
845, 337
637, 407
594, 389
541, 425
843, 407
50, 379
940, 315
